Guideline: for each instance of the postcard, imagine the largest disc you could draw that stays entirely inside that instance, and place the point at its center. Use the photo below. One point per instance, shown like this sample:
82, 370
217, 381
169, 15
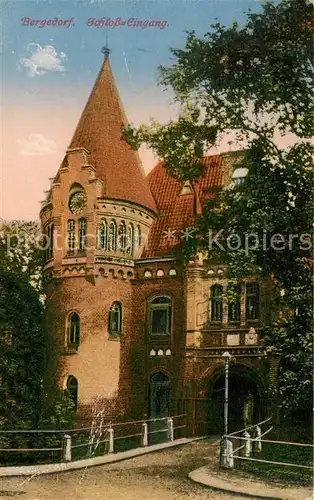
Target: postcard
156, 249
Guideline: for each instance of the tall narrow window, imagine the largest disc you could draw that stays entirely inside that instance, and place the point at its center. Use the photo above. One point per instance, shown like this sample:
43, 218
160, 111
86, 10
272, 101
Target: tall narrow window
122, 237
74, 331
160, 316
82, 234
71, 234
115, 320
49, 243
252, 301
216, 303
112, 236
234, 306
72, 388
129, 240
137, 237
102, 235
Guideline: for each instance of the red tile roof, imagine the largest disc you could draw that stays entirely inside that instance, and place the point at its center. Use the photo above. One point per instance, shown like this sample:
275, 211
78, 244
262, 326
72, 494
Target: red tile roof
99, 131
175, 211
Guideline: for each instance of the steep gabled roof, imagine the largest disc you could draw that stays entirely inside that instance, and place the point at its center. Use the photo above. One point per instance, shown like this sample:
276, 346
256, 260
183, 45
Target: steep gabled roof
177, 211
99, 131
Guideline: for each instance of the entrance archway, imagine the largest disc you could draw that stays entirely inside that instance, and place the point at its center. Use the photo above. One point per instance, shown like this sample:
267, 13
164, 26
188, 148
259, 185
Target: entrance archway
158, 407
246, 399
159, 395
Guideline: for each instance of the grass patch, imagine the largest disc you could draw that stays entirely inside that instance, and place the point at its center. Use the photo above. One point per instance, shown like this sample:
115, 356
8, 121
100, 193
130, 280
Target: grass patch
281, 453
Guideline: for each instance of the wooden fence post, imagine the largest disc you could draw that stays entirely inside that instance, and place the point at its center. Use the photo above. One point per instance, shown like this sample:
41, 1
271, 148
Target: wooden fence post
247, 444
257, 444
111, 440
144, 437
170, 429
67, 448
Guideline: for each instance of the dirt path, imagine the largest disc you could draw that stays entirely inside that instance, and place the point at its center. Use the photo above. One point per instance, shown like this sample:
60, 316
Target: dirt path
156, 476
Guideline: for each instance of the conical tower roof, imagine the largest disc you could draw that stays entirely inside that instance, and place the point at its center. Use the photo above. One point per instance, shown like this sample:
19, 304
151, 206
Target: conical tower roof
99, 130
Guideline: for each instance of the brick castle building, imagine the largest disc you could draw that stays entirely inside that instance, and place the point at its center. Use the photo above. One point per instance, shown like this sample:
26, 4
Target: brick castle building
138, 329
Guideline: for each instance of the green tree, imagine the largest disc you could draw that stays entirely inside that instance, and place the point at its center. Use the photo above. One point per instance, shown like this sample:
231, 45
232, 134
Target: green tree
29, 395
256, 82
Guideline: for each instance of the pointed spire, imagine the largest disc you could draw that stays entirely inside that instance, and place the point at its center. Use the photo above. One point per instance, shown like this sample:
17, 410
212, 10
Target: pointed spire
100, 132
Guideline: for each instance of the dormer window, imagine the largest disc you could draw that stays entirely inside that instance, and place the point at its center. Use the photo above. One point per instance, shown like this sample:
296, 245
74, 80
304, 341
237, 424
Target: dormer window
238, 176
187, 188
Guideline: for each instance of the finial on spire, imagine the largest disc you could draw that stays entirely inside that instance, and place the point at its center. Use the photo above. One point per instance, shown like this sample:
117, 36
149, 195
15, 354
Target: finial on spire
106, 51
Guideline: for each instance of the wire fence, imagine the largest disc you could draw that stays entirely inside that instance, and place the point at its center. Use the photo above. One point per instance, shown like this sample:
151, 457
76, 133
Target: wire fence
247, 444
30, 446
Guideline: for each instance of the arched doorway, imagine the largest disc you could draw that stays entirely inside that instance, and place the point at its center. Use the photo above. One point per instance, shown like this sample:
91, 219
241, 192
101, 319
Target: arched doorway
246, 399
159, 395
159, 403
72, 388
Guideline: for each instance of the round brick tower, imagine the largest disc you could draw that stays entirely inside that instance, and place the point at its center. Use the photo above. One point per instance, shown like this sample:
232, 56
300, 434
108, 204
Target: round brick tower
97, 216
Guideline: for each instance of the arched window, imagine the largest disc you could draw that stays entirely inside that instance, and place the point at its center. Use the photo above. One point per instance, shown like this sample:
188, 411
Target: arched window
216, 302
115, 320
82, 234
49, 243
112, 236
122, 237
159, 395
102, 235
71, 234
234, 306
160, 316
74, 330
137, 237
72, 388
129, 240
252, 301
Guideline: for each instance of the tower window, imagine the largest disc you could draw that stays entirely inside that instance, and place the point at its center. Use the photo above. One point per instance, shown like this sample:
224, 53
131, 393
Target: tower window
49, 251
234, 307
102, 235
252, 301
74, 331
72, 388
112, 236
129, 242
216, 303
71, 234
82, 234
137, 237
160, 316
115, 320
122, 237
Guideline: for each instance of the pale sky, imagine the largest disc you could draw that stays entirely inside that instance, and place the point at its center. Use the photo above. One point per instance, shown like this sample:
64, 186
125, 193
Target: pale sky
48, 73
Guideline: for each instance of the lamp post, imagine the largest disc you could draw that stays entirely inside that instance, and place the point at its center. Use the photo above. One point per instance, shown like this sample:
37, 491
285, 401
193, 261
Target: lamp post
226, 356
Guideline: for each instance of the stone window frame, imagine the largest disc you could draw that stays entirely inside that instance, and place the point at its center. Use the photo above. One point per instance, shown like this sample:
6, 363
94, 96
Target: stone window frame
214, 300
115, 308
162, 306
76, 332
102, 234
256, 301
